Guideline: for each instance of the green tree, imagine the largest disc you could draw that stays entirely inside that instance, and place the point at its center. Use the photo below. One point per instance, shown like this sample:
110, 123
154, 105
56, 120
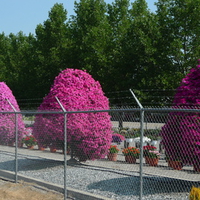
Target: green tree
19, 64
4, 45
179, 27
28, 71
119, 21
90, 33
121, 45
139, 62
52, 47
159, 47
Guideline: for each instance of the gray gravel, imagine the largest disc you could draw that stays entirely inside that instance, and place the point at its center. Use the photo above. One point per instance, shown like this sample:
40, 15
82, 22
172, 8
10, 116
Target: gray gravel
112, 183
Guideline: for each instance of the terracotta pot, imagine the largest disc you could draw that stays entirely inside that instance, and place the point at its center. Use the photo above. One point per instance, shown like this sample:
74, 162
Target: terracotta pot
52, 149
11, 144
196, 167
130, 159
41, 148
112, 156
147, 160
20, 145
177, 165
153, 161
30, 147
68, 151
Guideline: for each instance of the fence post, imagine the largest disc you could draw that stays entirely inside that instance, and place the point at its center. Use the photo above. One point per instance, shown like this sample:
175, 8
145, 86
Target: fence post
65, 148
141, 142
16, 141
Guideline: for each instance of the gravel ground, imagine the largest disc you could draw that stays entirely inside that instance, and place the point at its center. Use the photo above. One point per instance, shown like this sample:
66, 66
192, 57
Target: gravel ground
115, 184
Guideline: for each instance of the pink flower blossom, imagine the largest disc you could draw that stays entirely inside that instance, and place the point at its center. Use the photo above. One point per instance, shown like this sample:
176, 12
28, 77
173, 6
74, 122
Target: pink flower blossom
7, 121
181, 133
90, 133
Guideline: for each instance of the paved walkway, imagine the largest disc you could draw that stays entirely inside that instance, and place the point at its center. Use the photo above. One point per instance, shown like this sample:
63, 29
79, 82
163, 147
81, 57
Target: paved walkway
162, 170
58, 156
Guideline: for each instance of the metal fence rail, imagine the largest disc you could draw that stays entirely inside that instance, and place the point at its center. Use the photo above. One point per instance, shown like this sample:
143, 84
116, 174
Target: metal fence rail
112, 179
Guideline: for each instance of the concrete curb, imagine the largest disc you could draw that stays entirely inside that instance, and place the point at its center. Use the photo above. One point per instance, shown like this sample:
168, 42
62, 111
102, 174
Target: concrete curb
71, 193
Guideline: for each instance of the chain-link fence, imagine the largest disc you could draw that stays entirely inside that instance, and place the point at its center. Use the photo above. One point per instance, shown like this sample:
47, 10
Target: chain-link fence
157, 149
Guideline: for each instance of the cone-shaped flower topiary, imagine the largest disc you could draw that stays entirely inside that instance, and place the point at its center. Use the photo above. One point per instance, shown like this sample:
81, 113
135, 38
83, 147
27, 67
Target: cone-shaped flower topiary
7, 121
89, 134
181, 133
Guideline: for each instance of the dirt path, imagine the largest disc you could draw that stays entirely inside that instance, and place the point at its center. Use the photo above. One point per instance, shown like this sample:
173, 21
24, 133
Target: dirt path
23, 191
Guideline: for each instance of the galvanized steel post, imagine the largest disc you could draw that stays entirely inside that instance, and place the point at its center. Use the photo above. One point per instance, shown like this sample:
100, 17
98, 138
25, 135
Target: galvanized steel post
65, 148
16, 141
141, 142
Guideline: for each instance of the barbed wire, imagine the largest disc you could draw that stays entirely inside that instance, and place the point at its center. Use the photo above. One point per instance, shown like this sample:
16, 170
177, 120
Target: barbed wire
148, 97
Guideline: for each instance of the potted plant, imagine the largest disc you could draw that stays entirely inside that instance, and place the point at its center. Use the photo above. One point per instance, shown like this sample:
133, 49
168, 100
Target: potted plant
145, 141
112, 153
152, 157
117, 138
128, 134
146, 150
129, 137
29, 141
196, 165
131, 154
154, 139
174, 162
153, 134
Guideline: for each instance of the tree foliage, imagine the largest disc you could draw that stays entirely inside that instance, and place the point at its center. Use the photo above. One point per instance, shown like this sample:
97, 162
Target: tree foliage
123, 45
52, 46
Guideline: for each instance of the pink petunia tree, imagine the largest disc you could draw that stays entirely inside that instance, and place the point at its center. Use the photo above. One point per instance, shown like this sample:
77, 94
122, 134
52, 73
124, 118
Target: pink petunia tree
7, 120
181, 133
88, 134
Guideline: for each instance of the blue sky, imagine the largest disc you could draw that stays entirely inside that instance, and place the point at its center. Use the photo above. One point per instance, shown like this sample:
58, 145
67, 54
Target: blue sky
25, 15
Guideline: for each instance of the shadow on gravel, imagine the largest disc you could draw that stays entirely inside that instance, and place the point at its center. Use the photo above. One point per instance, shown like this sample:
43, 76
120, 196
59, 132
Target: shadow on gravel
151, 186
30, 164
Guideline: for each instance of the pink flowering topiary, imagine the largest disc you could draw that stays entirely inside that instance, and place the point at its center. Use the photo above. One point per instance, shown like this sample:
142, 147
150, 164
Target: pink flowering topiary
7, 121
181, 133
88, 134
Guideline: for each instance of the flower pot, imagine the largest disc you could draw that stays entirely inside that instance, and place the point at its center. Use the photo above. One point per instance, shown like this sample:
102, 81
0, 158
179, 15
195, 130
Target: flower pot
11, 144
30, 147
130, 159
177, 165
196, 167
147, 160
20, 145
68, 152
112, 156
153, 161
41, 148
52, 149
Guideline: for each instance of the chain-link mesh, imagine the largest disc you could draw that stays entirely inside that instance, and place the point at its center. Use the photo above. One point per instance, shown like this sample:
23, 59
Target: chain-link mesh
168, 167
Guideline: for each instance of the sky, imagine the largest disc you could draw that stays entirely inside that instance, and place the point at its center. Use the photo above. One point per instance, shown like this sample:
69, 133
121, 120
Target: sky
25, 15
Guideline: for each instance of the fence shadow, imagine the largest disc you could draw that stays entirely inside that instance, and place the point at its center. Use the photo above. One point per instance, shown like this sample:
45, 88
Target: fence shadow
30, 164
130, 186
